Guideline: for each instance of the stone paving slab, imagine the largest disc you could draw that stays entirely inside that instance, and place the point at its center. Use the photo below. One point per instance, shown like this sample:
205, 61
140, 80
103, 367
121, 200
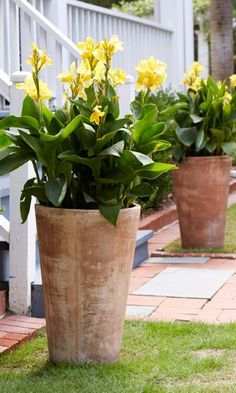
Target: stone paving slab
186, 283
139, 311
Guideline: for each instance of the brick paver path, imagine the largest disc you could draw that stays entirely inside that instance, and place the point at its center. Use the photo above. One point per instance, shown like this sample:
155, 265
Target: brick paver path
221, 308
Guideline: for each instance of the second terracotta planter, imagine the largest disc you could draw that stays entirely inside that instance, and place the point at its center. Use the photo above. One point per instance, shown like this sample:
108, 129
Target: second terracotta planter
201, 188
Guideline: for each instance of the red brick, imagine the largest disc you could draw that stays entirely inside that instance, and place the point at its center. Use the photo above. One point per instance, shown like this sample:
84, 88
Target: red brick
3, 349
15, 329
8, 343
21, 318
136, 300
227, 316
7, 322
182, 303
16, 336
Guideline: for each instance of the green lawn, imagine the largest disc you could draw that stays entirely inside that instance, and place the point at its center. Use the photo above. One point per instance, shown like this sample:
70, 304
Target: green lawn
230, 238
156, 357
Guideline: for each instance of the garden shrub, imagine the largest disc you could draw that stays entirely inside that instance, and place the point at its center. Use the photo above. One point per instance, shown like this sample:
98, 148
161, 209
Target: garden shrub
163, 99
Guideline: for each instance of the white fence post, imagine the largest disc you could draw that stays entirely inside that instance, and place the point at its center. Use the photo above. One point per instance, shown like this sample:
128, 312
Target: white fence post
22, 236
179, 15
126, 95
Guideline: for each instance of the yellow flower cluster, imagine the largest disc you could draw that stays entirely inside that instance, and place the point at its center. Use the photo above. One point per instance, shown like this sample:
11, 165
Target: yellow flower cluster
94, 67
78, 79
192, 78
151, 74
38, 59
96, 115
227, 98
30, 89
99, 57
232, 79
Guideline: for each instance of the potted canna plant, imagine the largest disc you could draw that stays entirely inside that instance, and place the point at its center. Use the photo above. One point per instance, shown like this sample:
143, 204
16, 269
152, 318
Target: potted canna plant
204, 140
90, 165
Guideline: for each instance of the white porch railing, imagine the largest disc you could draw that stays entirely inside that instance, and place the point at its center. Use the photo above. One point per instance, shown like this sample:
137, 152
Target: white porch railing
57, 25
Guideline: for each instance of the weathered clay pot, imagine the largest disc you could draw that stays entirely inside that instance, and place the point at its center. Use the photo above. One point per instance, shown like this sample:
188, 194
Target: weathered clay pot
201, 188
86, 264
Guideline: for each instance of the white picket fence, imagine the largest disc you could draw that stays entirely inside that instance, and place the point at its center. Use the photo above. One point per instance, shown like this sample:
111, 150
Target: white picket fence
57, 25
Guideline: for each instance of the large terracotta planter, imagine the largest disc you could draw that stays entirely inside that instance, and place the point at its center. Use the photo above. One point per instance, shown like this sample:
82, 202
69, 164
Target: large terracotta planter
201, 188
86, 264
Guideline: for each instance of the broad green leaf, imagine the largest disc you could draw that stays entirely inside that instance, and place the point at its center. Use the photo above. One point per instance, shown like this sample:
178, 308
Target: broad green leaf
30, 108
141, 190
174, 108
55, 190
147, 118
133, 161
154, 170
109, 212
136, 109
109, 196
115, 125
72, 157
187, 136
36, 145
196, 119
152, 132
114, 150
211, 146
25, 204
154, 146
25, 201
178, 153
229, 148
36, 190
4, 139
200, 142
6, 151
62, 116
218, 135
64, 133
20, 122
14, 161
88, 198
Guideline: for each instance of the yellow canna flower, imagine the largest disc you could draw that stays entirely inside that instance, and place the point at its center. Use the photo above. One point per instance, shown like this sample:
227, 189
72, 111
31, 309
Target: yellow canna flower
68, 76
99, 72
151, 74
114, 45
232, 80
106, 49
227, 98
117, 76
86, 48
30, 89
38, 59
197, 68
85, 73
78, 79
96, 115
192, 78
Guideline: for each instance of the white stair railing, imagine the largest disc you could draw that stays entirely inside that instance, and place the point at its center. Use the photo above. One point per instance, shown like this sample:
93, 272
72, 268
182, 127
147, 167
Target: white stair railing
20, 25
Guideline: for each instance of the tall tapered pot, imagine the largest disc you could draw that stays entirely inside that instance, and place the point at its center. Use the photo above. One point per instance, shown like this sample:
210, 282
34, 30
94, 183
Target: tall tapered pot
201, 188
86, 264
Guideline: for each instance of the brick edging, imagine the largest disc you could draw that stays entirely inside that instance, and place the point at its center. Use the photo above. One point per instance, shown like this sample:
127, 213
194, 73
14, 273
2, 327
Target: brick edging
192, 254
162, 218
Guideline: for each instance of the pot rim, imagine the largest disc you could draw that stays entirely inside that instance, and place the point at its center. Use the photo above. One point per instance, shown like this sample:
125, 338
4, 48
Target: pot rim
208, 158
59, 210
